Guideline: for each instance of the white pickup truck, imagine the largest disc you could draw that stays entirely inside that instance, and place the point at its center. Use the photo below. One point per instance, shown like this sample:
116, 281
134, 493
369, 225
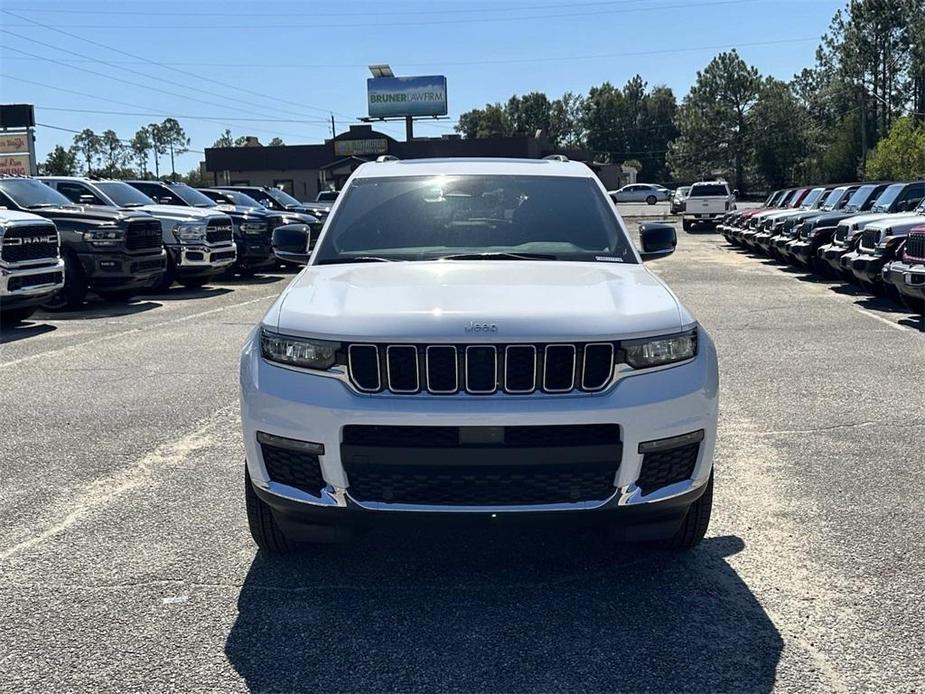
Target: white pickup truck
478, 338
707, 201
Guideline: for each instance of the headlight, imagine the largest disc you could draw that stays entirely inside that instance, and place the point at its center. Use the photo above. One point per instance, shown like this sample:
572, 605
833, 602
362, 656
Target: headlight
253, 227
297, 351
105, 235
190, 232
656, 351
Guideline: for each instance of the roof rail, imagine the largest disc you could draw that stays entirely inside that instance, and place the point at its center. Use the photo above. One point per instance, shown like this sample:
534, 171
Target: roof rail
386, 157
555, 157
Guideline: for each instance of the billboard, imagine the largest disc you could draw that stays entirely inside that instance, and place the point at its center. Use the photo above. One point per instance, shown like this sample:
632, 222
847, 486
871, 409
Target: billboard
390, 97
15, 165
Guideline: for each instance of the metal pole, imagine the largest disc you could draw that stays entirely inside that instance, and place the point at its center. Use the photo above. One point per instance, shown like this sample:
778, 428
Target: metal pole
409, 128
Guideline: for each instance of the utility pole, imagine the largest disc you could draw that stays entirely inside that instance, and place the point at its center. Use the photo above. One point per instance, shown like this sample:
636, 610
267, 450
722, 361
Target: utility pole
333, 132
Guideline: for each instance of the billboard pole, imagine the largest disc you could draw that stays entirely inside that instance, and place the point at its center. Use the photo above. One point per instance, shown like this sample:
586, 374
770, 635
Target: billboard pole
409, 128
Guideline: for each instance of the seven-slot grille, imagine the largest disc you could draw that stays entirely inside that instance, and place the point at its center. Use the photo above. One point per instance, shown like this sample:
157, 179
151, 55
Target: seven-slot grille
915, 246
481, 369
219, 231
841, 234
20, 244
143, 235
869, 239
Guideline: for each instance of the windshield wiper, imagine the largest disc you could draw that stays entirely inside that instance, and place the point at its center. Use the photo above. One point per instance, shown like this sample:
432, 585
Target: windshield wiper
357, 259
498, 256
40, 205
133, 204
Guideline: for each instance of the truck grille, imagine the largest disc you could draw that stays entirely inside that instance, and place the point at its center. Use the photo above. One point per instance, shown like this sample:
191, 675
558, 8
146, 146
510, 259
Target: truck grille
31, 242
218, 231
17, 283
869, 239
143, 235
915, 247
481, 466
841, 234
481, 369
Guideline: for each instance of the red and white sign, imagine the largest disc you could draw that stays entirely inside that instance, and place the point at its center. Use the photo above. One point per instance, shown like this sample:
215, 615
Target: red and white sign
15, 165
13, 143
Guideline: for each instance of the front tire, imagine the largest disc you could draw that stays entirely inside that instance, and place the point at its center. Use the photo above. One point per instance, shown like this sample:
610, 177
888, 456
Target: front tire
695, 524
264, 529
686, 224
74, 291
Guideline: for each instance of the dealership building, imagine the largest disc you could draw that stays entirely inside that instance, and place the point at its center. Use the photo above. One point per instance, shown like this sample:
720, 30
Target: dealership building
304, 170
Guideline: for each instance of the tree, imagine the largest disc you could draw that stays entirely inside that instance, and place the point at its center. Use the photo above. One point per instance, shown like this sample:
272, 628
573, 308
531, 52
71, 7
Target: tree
175, 141
716, 133
113, 151
141, 146
565, 128
491, 121
276, 142
240, 141
60, 162
158, 145
900, 156
779, 124
224, 140
529, 113
89, 145
196, 178
602, 115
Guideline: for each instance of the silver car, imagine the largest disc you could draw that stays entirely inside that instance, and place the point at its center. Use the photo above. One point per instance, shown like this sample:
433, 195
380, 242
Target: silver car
641, 192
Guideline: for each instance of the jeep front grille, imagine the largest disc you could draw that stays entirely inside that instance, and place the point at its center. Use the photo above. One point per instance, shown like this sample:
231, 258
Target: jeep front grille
481, 369
915, 247
841, 234
869, 239
143, 235
29, 242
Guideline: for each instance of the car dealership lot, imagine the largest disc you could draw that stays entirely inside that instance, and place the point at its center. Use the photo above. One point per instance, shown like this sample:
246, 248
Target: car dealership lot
127, 562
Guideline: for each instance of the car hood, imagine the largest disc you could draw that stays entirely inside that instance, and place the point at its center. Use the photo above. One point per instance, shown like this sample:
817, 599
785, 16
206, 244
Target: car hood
900, 223
177, 213
859, 221
536, 301
90, 213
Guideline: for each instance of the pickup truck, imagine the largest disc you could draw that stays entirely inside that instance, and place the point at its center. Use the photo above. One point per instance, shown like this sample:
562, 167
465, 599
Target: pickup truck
706, 202
114, 253
31, 269
198, 242
251, 228
493, 346
224, 196
279, 200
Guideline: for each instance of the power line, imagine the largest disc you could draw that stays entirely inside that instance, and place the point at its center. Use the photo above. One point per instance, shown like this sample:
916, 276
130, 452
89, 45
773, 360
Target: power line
495, 61
77, 132
125, 103
354, 25
189, 117
167, 67
315, 13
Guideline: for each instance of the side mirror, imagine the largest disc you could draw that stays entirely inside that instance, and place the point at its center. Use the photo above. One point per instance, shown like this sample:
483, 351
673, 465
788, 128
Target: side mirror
292, 243
87, 199
657, 240
735, 194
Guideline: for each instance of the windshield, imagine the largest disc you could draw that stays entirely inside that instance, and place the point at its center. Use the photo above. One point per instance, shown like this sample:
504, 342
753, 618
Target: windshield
811, 197
282, 197
795, 200
29, 193
191, 196
859, 199
888, 197
124, 195
831, 199
709, 190
427, 218
233, 197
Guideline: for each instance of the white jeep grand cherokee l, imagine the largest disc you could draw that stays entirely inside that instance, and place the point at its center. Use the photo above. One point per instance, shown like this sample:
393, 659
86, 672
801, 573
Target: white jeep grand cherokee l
478, 337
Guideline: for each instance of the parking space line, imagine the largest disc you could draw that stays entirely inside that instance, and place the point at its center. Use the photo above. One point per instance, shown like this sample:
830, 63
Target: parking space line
883, 320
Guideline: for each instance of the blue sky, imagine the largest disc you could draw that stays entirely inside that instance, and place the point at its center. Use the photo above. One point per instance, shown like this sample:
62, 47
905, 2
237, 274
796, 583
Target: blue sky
282, 68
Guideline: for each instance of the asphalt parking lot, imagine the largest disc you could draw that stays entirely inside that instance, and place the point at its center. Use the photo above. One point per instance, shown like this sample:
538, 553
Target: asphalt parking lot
127, 563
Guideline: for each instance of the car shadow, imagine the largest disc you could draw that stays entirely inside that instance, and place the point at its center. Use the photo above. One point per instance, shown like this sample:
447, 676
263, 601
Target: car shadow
93, 310
495, 610
22, 331
183, 293
249, 279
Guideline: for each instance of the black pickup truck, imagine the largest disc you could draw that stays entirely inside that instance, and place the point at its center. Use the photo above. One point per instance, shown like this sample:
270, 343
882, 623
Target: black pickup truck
224, 196
280, 201
114, 253
252, 228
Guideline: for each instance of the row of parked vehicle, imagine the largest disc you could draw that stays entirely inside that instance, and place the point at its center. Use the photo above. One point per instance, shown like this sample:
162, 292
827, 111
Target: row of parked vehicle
63, 237
871, 234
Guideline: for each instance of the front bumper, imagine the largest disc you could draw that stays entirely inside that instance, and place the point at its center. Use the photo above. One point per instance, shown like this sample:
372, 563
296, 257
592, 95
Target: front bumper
24, 287
122, 270
865, 266
908, 279
310, 407
203, 260
832, 255
254, 252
